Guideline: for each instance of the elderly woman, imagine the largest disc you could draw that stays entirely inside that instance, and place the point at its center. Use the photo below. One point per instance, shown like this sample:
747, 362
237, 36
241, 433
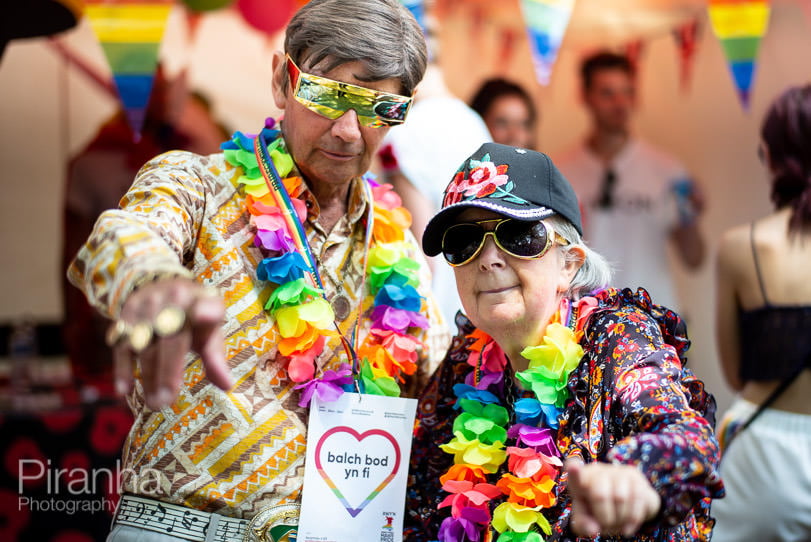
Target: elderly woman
563, 408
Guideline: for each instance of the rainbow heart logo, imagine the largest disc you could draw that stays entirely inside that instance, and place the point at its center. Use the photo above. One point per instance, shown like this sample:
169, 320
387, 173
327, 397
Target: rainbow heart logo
389, 475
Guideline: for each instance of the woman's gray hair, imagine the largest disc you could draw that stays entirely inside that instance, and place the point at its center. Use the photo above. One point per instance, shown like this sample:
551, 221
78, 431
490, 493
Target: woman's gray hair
595, 273
381, 33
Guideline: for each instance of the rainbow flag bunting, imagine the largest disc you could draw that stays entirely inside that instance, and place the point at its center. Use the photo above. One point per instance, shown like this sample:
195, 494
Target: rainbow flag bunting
130, 33
546, 22
739, 26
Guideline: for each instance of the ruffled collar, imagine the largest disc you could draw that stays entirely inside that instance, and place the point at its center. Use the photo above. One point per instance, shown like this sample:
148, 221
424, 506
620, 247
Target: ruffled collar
303, 317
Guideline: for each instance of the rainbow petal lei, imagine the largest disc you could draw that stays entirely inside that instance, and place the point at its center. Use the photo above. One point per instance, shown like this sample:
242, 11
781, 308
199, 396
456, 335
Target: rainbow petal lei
481, 432
303, 317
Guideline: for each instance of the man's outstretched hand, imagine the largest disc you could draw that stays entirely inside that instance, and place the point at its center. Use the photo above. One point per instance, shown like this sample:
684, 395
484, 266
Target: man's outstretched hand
159, 323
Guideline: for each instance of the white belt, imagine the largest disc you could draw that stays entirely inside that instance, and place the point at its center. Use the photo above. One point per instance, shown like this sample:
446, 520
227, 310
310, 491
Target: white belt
196, 525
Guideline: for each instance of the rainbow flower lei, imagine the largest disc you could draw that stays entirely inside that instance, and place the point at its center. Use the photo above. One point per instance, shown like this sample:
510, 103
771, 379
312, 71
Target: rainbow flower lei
481, 432
304, 318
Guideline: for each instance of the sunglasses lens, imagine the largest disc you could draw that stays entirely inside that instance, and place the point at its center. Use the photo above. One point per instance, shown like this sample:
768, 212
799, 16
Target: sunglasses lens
331, 99
461, 241
525, 239
391, 111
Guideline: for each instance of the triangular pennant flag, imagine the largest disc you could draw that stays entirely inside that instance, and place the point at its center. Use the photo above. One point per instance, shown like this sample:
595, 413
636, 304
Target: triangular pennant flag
476, 30
506, 49
417, 9
546, 22
193, 20
686, 37
633, 52
806, 7
739, 26
130, 33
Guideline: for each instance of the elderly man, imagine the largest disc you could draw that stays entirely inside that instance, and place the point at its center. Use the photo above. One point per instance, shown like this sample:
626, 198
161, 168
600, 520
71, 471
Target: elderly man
243, 282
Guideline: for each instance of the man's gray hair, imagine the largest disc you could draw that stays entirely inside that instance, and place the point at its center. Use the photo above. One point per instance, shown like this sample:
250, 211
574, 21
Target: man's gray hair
595, 273
381, 33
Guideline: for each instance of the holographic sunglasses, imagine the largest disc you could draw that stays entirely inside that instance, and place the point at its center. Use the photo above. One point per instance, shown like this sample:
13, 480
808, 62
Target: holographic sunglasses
331, 99
525, 240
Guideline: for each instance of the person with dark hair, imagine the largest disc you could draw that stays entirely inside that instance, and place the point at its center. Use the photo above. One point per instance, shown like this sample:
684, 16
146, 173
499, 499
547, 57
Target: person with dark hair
508, 111
564, 406
244, 282
763, 322
636, 199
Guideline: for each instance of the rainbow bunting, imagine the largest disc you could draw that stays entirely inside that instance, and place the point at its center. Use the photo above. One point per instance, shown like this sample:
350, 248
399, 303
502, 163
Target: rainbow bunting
546, 22
739, 26
130, 33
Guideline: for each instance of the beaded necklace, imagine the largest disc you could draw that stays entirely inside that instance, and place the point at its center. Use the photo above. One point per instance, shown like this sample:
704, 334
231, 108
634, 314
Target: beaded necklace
302, 315
483, 428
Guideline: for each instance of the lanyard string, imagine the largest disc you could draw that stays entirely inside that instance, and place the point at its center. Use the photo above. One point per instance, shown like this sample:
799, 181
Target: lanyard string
296, 230
285, 205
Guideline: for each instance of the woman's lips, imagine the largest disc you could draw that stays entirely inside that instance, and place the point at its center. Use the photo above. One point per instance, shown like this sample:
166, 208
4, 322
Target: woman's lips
497, 290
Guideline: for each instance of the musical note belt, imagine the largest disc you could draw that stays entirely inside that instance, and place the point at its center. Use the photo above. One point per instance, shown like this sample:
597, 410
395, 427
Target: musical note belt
273, 524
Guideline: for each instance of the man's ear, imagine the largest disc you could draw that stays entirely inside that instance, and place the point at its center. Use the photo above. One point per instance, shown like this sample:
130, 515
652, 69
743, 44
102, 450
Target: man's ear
279, 81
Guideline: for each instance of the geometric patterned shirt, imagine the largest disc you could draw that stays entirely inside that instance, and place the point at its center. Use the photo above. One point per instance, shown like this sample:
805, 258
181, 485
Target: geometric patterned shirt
234, 452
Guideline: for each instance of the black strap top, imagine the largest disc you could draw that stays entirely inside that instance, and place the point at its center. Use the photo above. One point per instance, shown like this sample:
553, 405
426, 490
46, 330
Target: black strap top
775, 340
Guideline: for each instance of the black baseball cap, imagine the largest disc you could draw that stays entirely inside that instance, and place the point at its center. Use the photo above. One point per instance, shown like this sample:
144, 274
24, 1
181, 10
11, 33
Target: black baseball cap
515, 182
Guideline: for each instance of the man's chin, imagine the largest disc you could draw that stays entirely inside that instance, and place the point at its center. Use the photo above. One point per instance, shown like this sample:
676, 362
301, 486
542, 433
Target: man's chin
337, 175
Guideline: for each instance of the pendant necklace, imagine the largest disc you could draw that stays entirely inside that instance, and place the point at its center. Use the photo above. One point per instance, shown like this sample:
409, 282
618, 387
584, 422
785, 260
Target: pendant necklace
341, 305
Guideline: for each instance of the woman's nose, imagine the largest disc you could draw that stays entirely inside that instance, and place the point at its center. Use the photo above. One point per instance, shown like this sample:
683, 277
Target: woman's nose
490, 255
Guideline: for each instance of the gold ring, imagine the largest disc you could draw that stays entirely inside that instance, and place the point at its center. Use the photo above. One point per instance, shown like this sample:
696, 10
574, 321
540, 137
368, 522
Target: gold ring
140, 336
169, 321
117, 331
211, 291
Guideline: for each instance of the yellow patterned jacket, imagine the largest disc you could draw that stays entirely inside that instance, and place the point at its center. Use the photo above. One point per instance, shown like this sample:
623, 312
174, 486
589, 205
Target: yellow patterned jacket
231, 452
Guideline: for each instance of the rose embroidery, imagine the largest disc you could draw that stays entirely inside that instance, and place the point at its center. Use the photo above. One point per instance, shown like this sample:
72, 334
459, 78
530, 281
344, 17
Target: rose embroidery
485, 179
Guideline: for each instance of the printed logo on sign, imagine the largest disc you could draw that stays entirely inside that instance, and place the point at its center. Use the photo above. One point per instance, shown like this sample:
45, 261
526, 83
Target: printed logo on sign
387, 530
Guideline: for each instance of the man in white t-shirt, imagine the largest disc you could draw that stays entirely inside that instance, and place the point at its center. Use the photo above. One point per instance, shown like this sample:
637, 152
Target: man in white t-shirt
635, 199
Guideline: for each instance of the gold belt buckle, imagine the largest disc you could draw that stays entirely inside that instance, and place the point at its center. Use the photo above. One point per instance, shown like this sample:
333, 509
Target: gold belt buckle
274, 524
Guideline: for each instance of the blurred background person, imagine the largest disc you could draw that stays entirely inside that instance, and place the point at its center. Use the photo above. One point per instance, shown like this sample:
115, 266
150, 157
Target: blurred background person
508, 111
98, 176
764, 335
635, 198
419, 156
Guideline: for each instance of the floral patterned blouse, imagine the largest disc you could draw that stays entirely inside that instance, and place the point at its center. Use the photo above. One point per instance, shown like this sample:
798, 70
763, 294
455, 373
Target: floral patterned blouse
632, 402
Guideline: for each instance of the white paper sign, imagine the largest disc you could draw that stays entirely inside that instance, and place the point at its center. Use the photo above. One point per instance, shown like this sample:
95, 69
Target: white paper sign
356, 469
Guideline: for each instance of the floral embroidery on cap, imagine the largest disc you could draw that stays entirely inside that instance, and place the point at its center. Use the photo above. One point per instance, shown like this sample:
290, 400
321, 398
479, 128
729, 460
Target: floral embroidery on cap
485, 179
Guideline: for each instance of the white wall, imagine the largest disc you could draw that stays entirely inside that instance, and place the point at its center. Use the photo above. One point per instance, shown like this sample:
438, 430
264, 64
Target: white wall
49, 111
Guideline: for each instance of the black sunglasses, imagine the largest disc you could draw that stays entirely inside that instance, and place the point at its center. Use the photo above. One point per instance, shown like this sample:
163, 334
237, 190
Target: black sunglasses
525, 240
